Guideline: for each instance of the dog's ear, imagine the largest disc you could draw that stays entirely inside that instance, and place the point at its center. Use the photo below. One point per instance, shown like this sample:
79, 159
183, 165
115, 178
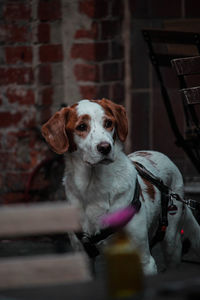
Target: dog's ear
54, 131
119, 113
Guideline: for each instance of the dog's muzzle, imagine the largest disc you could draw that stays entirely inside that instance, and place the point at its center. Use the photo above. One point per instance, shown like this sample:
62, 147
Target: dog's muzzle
104, 148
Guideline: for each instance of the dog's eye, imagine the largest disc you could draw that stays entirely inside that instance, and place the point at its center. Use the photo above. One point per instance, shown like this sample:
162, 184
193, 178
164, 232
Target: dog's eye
108, 123
81, 127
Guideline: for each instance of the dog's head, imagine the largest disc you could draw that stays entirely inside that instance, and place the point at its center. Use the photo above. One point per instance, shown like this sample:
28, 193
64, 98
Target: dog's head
90, 128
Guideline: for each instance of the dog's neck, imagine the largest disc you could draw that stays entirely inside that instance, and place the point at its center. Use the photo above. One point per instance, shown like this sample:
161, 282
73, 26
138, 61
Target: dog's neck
99, 181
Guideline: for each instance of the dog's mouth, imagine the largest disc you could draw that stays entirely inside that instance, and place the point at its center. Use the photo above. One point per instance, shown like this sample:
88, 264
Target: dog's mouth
104, 161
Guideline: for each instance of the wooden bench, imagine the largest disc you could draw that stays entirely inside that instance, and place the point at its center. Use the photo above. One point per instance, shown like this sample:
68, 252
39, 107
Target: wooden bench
39, 270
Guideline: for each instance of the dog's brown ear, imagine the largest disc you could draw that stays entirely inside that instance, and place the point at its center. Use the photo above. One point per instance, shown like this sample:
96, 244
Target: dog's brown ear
54, 131
119, 113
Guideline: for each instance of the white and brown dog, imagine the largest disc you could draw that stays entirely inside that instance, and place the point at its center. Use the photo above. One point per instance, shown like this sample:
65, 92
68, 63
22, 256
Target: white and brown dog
100, 178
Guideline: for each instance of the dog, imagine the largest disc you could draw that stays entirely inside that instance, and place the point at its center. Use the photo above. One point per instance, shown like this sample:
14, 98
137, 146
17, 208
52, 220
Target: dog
101, 179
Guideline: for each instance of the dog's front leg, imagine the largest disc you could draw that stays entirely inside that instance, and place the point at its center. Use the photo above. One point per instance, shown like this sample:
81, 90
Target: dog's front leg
138, 233
75, 242
148, 263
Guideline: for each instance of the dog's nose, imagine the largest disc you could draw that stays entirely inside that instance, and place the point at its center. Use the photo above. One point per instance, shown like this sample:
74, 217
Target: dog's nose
104, 148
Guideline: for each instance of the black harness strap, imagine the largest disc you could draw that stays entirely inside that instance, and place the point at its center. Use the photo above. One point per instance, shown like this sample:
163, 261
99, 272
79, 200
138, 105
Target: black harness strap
191, 203
143, 172
165, 196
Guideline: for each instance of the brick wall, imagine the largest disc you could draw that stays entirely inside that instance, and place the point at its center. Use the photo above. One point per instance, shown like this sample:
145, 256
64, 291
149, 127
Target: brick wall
95, 65
31, 57
45, 62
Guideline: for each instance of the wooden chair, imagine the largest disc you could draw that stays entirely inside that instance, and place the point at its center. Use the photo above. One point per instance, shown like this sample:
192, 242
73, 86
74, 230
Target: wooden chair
19, 221
164, 46
188, 72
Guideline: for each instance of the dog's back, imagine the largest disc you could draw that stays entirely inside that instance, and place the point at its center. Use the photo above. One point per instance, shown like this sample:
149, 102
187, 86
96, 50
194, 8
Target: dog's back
162, 167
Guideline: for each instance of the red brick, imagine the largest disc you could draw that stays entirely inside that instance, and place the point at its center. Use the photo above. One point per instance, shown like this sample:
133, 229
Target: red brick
15, 33
17, 11
84, 51
21, 96
18, 54
17, 180
2, 145
30, 121
16, 75
91, 33
109, 29
89, 92
111, 71
7, 160
43, 33
86, 72
45, 74
10, 141
2, 182
45, 115
26, 161
46, 96
51, 53
49, 10
140, 112
90, 51
118, 8
118, 93
12, 138
8, 119
1, 140
104, 91
94, 8
12, 197
117, 49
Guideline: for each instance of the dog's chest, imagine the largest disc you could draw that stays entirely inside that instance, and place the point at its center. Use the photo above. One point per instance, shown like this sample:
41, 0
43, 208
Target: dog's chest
99, 191
95, 186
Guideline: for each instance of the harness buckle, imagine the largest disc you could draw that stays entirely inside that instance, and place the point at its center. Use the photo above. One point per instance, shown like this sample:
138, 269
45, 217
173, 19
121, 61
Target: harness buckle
175, 196
191, 203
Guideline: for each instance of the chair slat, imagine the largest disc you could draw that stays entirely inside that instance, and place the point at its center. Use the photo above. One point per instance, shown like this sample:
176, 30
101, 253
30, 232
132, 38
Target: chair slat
192, 95
43, 270
187, 66
34, 219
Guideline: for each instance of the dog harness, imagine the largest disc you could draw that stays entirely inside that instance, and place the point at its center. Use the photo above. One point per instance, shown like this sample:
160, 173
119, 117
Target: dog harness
89, 241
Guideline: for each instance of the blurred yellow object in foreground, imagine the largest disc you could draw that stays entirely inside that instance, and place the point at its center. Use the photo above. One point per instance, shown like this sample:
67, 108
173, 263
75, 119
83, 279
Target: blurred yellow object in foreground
123, 267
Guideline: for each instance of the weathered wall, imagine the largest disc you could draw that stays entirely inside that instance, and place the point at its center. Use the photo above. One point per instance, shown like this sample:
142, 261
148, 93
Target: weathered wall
94, 60
55, 52
52, 52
